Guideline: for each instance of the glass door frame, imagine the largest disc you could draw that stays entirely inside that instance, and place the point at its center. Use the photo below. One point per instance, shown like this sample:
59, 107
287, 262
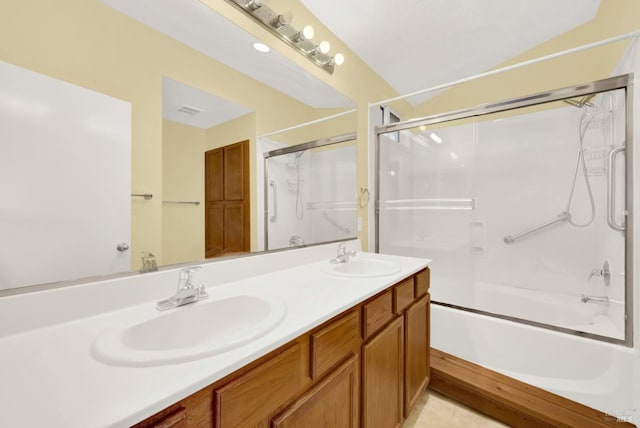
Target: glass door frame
342, 138
624, 82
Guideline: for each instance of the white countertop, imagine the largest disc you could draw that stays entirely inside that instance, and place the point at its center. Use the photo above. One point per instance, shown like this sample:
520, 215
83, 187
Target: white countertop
48, 376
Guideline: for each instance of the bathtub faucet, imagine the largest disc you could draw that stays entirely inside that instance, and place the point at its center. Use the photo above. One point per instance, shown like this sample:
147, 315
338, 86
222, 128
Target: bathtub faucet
604, 272
594, 299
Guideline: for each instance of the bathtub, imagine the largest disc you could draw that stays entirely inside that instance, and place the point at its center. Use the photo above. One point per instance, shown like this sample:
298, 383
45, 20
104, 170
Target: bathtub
556, 309
594, 373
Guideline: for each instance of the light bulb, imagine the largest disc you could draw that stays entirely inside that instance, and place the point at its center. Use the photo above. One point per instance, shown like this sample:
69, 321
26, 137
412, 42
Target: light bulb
282, 20
338, 59
255, 4
308, 32
324, 47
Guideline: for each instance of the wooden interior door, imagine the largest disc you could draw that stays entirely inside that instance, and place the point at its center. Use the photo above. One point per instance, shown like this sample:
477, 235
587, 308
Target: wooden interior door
227, 227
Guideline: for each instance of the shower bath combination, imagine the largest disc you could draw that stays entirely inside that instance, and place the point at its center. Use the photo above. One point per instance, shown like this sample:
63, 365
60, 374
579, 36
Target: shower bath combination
565, 296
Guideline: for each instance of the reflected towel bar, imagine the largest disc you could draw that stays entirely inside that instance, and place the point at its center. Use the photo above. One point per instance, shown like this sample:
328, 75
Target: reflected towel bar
147, 196
182, 202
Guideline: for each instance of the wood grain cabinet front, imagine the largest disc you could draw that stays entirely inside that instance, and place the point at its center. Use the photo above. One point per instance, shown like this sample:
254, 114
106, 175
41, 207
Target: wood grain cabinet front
251, 399
334, 341
382, 380
416, 352
334, 402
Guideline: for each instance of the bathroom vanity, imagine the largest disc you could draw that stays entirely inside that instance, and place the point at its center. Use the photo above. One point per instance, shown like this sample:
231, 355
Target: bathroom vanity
350, 347
314, 380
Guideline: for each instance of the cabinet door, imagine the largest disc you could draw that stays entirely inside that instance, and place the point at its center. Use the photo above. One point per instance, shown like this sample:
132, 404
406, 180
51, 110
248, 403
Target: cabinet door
333, 402
253, 398
416, 356
382, 377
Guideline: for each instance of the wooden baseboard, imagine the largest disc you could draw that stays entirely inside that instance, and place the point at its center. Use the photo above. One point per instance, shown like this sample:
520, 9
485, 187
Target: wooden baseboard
508, 400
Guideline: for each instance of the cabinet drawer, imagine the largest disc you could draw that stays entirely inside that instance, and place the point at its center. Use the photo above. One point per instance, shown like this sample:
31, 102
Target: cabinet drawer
330, 344
333, 402
422, 282
251, 399
403, 295
377, 313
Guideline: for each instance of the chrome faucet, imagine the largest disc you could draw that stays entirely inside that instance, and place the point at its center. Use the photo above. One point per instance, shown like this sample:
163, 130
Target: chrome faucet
343, 255
187, 292
594, 299
605, 273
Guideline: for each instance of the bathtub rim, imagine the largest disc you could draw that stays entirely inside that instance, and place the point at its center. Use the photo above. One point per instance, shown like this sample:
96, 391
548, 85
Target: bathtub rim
530, 323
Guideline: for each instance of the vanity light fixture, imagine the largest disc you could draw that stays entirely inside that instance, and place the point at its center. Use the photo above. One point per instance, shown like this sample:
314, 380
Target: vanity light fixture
279, 24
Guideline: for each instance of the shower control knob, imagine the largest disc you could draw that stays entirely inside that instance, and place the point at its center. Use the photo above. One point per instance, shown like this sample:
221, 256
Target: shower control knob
122, 247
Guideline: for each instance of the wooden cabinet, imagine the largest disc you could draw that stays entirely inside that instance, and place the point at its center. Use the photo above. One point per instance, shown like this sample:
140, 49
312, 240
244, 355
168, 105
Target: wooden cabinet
334, 402
333, 342
376, 313
382, 379
262, 390
227, 200
365, 367
416, 352
395, 361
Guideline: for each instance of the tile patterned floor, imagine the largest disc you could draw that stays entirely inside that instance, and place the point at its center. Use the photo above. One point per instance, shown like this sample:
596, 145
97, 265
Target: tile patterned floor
437, 411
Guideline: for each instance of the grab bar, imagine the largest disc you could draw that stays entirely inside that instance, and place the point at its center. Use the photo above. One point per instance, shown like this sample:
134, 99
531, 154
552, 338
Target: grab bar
342, 229
510, 239
273, 218
611, 199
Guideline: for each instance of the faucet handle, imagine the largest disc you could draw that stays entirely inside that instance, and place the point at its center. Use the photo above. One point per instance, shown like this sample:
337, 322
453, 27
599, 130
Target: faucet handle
342, 248
186, 277
202, 292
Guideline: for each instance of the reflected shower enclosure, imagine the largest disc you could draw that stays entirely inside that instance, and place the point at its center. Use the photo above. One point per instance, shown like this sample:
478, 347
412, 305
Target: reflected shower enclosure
310, 192
524, 207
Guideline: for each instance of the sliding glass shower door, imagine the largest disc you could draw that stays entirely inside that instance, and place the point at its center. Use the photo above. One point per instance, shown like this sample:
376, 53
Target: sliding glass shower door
310, 193
523, 207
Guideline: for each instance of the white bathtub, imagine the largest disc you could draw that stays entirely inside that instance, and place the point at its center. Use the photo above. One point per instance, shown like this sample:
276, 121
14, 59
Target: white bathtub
588, 371
556, 309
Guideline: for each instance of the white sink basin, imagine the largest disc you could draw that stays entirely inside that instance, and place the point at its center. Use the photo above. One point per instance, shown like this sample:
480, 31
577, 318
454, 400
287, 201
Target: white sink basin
364, 268
190, 332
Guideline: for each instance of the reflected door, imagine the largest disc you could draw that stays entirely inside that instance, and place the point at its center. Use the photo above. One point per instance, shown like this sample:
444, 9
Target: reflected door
227, 228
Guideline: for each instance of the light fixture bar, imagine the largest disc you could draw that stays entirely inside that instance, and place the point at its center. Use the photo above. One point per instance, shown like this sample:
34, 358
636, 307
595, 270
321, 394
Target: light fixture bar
274, 22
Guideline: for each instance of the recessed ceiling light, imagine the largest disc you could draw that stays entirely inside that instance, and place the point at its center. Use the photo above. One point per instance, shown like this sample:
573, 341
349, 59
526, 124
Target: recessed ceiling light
261, 47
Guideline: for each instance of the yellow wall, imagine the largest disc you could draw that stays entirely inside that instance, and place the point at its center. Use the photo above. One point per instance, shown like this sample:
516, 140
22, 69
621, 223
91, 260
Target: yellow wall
182, 180
614, 17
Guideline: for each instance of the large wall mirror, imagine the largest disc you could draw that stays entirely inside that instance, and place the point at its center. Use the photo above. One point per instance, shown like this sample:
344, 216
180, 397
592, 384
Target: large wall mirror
190, 84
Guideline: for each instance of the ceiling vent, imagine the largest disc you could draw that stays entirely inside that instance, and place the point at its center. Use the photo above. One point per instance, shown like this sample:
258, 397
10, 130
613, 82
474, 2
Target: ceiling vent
189, 110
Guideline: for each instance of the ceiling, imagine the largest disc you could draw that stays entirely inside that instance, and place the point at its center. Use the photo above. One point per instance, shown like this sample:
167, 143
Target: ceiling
411, 44
417, 44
